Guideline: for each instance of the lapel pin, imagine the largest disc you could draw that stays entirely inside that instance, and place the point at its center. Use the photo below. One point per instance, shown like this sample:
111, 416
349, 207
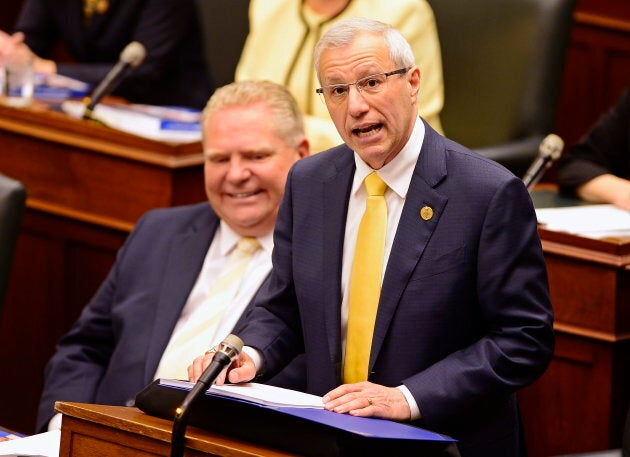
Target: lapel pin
426, 213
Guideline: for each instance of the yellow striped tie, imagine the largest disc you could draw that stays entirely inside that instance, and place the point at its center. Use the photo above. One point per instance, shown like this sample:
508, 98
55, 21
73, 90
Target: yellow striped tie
365, 281
194, 338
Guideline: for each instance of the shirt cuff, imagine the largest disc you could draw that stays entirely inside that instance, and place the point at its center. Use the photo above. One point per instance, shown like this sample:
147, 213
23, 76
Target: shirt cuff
413, 406
55, 423
256, 356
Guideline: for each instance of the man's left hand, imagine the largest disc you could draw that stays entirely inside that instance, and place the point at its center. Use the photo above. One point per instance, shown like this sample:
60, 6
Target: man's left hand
366, 399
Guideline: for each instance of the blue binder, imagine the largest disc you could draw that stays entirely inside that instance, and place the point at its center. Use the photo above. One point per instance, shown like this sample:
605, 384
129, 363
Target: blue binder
307, 431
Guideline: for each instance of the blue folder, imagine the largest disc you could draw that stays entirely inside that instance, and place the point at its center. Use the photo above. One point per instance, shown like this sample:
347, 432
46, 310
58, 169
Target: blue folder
307, 431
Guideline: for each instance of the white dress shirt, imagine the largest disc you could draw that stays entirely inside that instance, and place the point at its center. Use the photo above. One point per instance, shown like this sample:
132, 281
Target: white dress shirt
224, 241
397, 175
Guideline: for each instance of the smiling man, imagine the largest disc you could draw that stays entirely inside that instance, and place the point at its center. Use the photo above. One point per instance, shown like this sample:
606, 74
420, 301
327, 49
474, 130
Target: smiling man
186, 276
407, 267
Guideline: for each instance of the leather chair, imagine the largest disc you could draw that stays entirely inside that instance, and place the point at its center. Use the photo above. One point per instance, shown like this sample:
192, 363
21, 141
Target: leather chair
503, 62
12, 199
224, 28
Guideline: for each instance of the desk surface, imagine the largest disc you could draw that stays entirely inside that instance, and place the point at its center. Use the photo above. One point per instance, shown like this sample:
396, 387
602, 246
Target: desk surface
105, 423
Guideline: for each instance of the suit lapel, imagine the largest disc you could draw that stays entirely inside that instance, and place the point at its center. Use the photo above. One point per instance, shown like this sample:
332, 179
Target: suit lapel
413, 232
183, 264
335, 193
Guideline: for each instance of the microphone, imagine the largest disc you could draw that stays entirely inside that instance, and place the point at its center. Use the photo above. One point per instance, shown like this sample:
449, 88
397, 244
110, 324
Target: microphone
226, 353
130, 57
549, 151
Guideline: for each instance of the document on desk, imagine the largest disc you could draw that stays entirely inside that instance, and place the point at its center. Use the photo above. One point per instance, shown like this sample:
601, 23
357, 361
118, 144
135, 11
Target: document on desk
43, 444
172, 124
258, 393
593, 221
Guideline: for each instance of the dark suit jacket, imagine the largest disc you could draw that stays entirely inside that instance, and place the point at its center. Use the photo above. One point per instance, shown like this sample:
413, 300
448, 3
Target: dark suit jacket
464, 318
113, 350
605, 149
174, 71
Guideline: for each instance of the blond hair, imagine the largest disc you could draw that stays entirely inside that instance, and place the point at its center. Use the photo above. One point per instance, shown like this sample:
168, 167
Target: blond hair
288, 125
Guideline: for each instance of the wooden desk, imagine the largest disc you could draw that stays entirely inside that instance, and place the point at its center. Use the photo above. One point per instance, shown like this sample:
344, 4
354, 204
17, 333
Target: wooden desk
114, 431
87, 186
580, 403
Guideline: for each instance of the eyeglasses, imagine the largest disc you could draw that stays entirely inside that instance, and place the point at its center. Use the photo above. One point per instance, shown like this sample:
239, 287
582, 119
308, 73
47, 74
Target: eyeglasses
337, 93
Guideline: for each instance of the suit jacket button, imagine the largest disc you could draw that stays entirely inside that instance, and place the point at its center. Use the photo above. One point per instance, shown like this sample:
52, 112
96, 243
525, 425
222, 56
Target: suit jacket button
130, 402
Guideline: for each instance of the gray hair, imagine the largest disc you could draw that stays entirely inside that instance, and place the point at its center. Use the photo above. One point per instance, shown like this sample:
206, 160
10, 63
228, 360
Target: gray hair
288, 121
344, 32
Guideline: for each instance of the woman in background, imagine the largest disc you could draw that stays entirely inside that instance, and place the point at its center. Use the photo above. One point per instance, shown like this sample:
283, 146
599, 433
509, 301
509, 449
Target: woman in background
283, 34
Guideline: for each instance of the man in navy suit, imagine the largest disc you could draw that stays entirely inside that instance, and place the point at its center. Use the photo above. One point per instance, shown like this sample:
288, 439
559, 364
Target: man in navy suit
162, 280
464, 317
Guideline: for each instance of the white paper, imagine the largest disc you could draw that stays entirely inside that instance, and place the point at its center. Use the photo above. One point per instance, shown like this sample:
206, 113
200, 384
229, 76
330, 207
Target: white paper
132, 121
46, 444
594, 221
259, 393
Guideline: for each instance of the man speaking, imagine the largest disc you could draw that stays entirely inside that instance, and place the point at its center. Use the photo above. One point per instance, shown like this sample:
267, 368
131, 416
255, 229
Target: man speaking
407, 267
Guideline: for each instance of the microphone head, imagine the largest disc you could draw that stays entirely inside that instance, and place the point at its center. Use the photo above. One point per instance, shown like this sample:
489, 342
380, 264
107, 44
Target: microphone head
133, 54
551, 147
233, 342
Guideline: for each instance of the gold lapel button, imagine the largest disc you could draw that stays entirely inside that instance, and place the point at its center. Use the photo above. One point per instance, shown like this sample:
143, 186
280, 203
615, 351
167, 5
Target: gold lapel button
426, 213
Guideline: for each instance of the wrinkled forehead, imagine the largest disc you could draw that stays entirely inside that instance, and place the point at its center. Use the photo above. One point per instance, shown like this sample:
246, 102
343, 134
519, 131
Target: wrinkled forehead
366, 54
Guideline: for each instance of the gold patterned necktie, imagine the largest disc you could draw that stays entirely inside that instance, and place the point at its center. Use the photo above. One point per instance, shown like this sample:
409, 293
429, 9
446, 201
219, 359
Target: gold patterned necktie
365, 281
194, 338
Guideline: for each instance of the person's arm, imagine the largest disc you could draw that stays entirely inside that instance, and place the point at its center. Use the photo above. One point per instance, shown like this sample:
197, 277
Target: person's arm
40, 31
606, 188
83, 354
598, 167
81, 357
517, 334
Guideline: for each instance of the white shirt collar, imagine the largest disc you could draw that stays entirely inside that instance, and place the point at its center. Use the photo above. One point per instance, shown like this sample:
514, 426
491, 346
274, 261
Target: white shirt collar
397, 174
227, 239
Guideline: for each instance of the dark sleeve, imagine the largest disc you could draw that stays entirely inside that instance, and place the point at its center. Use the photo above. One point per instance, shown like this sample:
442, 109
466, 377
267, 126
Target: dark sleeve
604, 149
35, 22
273, 326
514, 301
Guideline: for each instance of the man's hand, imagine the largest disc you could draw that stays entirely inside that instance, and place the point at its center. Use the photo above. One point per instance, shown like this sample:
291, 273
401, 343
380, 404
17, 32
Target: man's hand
15, 52
242, 369
367, 399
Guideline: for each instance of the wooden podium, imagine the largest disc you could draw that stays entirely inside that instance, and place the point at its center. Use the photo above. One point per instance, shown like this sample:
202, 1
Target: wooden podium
87, 185
114, 431
580, 403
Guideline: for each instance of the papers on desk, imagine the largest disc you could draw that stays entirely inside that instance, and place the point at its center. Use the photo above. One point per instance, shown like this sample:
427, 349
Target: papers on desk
593, 221
261, 394
44, 444
57, 88
172, 124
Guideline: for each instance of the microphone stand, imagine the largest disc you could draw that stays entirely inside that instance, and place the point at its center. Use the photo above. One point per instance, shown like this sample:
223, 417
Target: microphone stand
181, 419
228, 351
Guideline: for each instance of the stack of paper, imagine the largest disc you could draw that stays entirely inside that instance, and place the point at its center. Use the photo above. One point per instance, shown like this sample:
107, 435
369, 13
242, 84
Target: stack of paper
594, 221
261, 394
138, 120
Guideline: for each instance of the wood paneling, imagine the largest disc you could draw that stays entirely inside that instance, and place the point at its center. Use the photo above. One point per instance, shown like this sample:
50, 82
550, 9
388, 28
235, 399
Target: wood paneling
597, 66
87, 186
581, 401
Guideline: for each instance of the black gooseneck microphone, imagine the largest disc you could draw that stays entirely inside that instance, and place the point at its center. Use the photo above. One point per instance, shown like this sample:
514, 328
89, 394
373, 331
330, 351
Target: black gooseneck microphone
549, 151
226, 353
130, 57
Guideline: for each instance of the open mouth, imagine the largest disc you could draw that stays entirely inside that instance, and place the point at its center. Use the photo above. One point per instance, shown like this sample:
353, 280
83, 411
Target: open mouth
244, 194
367, 131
